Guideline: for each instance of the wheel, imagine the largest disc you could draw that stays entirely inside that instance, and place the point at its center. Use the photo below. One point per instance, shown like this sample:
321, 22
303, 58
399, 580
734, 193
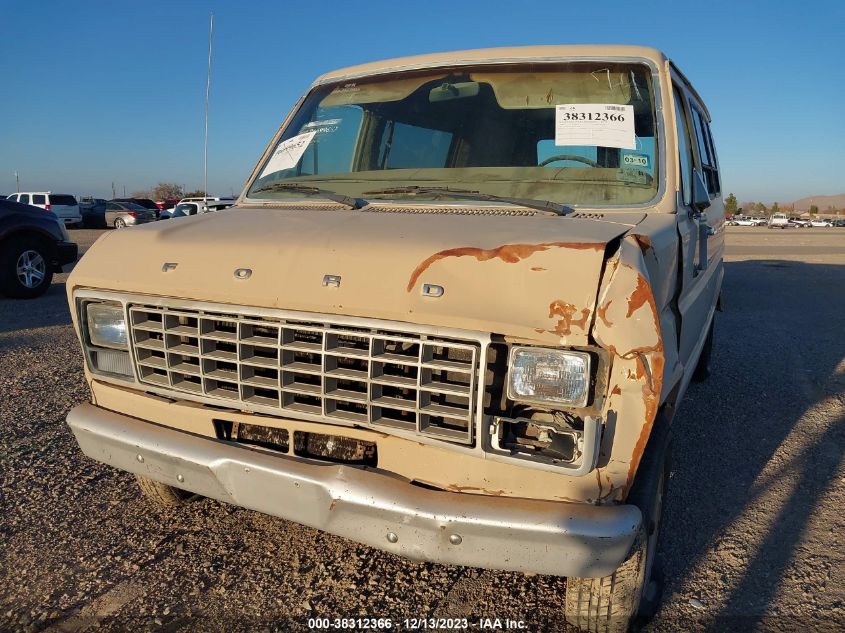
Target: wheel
25, 269
119, 223
161, 494
702, 369
611, 604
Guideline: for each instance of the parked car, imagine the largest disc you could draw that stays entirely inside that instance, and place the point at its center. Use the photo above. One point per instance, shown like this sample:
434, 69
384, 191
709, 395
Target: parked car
801, 223
123, 214
779, 221
821, 222
166, 204
839, 222
745, 221
209, 199
184, 209
94, 215
399, 329
63, 205
146, 203
33, 246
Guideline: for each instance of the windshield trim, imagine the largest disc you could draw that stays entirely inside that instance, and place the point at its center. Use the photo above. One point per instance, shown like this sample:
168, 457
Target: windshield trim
659, 114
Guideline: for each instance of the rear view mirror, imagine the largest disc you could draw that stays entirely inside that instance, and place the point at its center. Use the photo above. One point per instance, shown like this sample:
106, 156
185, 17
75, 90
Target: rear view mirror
700, 196
447, 91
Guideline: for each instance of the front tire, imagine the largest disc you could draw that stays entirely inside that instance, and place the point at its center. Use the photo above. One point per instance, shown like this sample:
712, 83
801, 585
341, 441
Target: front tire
119, 223
25, 268
160, 494
611, 604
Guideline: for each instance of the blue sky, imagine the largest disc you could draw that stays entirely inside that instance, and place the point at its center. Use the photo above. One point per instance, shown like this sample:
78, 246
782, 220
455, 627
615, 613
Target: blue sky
102, 92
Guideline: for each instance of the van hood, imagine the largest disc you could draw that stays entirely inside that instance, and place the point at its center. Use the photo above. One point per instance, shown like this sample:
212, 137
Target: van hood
531, 277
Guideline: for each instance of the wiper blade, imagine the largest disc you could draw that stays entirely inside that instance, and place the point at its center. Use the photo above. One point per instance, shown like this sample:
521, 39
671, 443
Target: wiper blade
354, 203
468, 194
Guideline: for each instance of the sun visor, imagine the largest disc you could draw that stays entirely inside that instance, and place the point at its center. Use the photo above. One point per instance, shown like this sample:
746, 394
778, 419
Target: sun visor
376, 92
524, 90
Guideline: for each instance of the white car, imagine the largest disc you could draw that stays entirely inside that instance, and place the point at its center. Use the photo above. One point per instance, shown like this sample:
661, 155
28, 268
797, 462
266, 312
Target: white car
801, 223
745, 221
817, 222
779, 221
63, 205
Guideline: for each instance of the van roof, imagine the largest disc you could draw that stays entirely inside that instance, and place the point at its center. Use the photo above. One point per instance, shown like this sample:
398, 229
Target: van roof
495, 55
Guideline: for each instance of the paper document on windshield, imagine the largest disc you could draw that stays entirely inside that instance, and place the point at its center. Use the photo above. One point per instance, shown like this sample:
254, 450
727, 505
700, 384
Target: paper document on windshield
595, 125
288, 153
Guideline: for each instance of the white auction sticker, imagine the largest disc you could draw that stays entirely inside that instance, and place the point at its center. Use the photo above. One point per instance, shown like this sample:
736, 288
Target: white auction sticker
288, 153
595, 125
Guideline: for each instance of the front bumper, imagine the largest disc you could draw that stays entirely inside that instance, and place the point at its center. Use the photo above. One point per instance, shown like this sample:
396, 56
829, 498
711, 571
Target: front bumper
367, 505
66, 253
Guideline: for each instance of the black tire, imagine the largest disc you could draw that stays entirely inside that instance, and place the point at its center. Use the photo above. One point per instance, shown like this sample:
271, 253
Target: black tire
162, 495
26, 269
612, 604
119, 223
702, 369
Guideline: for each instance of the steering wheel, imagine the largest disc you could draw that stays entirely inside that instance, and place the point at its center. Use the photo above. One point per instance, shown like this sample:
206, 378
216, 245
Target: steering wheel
580, 159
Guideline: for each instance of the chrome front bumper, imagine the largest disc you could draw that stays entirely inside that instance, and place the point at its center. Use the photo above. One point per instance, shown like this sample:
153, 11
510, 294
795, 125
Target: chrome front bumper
369, 506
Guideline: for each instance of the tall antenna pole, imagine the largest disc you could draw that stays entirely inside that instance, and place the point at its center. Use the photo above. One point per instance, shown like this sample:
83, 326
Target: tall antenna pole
207, 91
17, 182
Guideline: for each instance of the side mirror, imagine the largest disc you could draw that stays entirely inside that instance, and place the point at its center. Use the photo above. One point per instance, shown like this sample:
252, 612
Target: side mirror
700, 195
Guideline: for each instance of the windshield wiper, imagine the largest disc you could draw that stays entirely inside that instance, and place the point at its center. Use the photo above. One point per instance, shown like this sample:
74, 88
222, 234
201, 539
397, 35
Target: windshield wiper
467, 194
354, 203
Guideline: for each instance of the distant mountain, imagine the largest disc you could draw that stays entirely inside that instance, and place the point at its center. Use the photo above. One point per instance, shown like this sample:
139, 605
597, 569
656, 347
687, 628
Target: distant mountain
822, 202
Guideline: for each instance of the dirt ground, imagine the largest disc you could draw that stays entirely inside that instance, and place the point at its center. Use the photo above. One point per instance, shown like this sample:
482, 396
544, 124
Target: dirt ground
753, 532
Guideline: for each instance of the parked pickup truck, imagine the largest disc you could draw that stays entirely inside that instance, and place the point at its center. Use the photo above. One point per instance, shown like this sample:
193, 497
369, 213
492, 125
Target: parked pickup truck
451, 317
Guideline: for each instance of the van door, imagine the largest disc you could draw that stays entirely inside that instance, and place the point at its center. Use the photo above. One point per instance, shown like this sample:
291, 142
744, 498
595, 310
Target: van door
701, 234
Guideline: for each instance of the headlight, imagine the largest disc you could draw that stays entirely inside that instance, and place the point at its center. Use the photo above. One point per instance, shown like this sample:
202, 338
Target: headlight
104, 339
106, 325
549, 376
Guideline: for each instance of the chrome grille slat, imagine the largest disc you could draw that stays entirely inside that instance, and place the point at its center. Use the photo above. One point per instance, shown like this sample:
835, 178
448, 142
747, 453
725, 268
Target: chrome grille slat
369, 376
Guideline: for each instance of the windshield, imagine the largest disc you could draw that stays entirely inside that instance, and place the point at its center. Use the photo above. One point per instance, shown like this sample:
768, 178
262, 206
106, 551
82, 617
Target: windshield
575, 133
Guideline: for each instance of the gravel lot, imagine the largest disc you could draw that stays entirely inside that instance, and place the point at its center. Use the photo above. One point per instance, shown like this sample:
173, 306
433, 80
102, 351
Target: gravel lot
753, 529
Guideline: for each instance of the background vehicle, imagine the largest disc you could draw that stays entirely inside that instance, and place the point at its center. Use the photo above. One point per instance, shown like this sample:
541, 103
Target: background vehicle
94, 215
194, 208
779, 221
122, 214
839, 222
63, 205
209, 199
821, 223
145, 203
744, 221
33, 245
801, 223
168, 203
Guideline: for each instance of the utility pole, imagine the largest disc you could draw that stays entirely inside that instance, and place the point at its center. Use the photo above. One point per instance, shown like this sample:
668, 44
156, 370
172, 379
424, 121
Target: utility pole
207, 91
113, 194
17, 183
124, 191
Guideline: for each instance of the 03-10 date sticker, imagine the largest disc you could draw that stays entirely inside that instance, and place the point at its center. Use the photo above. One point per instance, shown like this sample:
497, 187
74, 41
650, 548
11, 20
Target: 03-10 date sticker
595, 125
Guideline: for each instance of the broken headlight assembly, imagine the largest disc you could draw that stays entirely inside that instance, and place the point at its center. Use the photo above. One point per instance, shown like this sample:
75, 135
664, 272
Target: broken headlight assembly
105, 338
550, 425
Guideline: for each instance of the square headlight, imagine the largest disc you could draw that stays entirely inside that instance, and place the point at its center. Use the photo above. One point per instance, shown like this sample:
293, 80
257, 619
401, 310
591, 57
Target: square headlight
106, 323
549, 376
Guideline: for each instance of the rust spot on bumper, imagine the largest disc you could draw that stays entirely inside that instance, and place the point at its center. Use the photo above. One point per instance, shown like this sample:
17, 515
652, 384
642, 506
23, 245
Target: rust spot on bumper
508, 253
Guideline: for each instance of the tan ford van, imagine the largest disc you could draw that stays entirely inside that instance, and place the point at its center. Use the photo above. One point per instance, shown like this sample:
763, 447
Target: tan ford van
451, 316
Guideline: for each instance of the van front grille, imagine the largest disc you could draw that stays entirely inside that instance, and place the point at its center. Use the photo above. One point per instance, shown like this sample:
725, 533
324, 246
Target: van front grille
311, 370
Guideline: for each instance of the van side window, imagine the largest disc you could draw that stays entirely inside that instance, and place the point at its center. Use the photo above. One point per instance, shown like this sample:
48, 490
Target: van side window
39, 198
706, 153
684, 153
24, 199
